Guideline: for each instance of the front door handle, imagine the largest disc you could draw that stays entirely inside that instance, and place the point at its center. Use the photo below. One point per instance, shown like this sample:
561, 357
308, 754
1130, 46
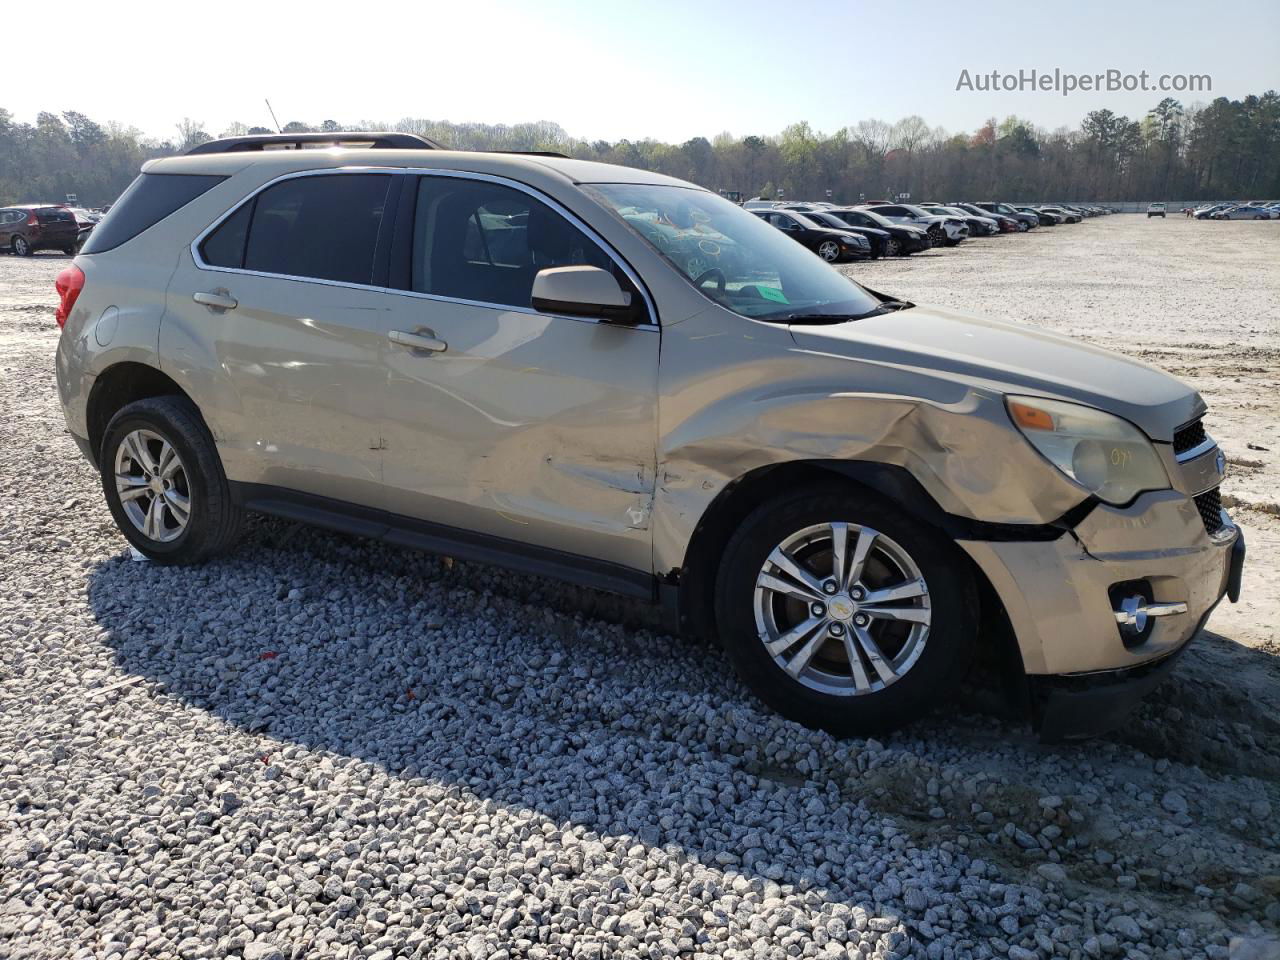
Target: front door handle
418, 341
218, 300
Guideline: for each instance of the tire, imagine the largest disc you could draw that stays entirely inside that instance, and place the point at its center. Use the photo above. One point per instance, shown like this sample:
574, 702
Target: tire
151, 519
69, 251
829, 251
892, 248
22, 247
924, 660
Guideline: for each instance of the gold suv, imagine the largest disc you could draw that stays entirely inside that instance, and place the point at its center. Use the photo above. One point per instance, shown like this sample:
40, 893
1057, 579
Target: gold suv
624, 380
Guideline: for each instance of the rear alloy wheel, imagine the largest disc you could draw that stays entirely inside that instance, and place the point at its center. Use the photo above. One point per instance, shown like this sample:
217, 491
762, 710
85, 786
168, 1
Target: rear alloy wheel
829, 251
21, 247
164, 482
843, 613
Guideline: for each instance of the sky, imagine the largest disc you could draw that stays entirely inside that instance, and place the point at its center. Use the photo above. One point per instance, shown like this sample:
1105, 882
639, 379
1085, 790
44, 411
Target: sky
608, 70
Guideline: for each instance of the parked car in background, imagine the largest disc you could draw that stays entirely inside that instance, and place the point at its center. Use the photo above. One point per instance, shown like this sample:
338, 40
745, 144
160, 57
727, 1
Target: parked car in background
1063, 214
86, 220
904, 239
626, 381
1244, 212
1208, 211
1031, 220
830, 244
944, 230
881, 242
26, 228
1004, 222
1045, 218
978, 226
1155, 210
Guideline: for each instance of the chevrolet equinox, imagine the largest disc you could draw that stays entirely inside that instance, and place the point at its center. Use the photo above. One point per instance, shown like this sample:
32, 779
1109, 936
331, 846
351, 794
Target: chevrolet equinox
617, 378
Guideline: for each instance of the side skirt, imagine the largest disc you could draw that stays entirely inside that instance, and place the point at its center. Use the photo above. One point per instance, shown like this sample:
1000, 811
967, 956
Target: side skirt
439, 538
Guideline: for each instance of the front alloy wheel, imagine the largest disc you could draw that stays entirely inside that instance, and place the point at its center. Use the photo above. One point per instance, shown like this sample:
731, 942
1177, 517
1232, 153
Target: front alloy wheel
843, 612
842, 609
829, 251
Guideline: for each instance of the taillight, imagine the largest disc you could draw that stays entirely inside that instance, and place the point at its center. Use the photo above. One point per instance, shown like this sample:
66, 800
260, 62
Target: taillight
68, 284
32, 219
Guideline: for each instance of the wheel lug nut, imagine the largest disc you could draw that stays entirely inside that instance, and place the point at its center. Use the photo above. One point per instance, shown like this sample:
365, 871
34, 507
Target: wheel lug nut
836, 630
829, 587
857, 593
818, 610
862, 619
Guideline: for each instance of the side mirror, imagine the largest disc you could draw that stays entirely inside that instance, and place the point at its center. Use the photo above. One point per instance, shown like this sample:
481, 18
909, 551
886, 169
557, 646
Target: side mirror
582, 292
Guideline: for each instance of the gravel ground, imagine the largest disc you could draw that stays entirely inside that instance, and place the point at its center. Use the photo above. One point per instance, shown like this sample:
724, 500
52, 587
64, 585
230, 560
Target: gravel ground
326, 747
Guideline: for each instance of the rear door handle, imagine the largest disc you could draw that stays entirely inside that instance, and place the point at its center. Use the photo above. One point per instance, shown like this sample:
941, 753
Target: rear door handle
417, 341
218, 301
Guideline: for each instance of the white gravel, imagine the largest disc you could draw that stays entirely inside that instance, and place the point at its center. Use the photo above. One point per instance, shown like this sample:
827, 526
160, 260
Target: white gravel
321, 747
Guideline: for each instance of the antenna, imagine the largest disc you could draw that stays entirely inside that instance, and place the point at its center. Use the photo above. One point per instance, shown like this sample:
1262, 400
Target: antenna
279, 129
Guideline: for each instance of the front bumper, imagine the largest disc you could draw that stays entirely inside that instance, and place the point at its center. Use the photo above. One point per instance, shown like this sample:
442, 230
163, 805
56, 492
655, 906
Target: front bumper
1057, 593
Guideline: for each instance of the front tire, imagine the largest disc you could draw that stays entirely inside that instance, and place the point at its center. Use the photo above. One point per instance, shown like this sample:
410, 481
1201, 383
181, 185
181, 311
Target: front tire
22, 247
893, 248
858, 645
829, 251
164, 483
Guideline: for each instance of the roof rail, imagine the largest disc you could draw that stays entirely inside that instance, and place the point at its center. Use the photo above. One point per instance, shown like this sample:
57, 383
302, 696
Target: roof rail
532, 153
297, 141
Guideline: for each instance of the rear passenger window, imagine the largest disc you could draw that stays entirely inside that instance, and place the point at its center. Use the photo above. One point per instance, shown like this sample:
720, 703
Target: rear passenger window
321, 227
475, 240
148, 200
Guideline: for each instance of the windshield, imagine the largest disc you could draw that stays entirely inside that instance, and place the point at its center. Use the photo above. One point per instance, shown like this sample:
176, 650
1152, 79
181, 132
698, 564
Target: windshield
916, 210
734, 257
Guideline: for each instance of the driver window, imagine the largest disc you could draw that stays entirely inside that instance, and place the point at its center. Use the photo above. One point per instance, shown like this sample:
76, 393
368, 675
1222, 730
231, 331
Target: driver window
482, 241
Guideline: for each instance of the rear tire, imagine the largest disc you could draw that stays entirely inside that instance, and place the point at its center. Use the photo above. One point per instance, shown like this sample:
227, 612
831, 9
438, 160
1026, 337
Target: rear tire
912, 648
164, 482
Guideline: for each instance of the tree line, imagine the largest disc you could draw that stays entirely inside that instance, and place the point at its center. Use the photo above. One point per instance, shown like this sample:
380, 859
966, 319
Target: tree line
1226, 149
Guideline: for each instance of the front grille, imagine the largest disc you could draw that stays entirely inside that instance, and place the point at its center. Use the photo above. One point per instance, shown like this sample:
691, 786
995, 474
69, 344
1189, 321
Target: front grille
1209, 504
1189, 437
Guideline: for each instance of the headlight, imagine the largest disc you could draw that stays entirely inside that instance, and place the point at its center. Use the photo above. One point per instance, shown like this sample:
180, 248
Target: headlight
855, 241
1108, 456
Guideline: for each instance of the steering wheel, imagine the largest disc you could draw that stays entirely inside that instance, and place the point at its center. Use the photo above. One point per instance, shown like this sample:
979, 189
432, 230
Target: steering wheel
714, 273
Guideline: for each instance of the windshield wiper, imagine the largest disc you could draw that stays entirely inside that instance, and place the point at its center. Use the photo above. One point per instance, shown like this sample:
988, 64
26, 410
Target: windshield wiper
882, 307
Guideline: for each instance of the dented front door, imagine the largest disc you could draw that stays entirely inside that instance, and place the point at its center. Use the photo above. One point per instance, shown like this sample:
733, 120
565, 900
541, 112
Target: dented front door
527, 426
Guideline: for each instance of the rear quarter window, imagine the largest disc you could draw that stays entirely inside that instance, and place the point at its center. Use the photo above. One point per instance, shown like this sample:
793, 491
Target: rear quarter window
147, 201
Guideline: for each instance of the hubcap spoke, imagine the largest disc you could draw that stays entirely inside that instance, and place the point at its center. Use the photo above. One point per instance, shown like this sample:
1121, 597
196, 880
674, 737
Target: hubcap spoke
793, 569
169, 463
839, 550
179, 505
858, 672
861, 550
153, 525
133, 493
906, 590
910, 614
874, 656
793, 636
768, 581
796, 665
139, 453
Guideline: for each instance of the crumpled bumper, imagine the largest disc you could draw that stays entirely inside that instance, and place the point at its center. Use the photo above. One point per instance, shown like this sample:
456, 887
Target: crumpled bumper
1058, 596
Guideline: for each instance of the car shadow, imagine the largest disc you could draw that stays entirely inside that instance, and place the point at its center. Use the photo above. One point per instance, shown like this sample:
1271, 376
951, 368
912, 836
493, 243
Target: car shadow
388, 656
